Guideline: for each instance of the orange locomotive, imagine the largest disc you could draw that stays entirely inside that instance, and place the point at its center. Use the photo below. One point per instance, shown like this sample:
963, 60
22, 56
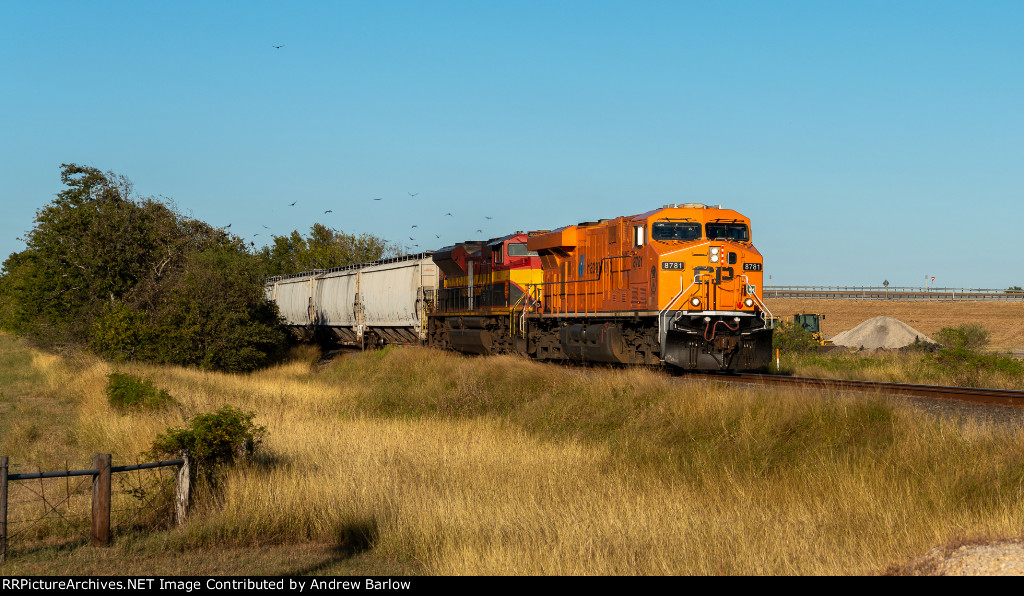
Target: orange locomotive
680, 284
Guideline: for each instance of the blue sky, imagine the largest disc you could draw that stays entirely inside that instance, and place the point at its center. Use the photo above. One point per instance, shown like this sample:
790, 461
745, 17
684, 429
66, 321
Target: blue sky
866, 140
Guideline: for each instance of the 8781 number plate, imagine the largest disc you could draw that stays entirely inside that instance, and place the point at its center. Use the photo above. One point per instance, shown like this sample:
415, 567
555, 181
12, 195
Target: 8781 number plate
751, 266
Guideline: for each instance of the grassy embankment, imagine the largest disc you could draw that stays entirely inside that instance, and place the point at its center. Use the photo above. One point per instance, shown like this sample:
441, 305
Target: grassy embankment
958, 369
413, 460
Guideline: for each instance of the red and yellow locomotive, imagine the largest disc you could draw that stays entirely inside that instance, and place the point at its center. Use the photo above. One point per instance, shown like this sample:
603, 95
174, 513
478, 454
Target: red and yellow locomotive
680, 285
487, 288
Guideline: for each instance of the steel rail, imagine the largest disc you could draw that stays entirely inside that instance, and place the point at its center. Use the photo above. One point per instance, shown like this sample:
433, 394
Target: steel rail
1000, 397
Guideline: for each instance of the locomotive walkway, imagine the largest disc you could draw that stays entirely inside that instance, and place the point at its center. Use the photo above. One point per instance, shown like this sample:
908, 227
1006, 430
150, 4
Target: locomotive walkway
893, 293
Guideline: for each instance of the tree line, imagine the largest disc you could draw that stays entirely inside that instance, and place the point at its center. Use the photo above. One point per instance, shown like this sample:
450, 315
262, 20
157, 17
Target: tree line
131, 278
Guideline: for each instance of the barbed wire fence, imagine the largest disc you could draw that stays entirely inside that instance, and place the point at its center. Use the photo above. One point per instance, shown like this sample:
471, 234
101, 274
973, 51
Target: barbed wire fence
41, 508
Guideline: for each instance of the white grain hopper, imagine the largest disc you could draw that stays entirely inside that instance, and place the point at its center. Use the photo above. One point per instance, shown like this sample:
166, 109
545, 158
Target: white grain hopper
383, 302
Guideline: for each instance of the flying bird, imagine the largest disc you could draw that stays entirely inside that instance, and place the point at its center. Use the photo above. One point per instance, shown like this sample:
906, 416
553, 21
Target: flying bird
293, 204
415, 226
488, 217
413, 195
267, 227
479, 231
329, 211
279, 47
448, 214
227, 226
376, 199
411, 238
437, 235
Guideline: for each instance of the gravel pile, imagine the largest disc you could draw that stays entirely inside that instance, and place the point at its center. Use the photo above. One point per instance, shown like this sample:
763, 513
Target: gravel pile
997, 558
880, 332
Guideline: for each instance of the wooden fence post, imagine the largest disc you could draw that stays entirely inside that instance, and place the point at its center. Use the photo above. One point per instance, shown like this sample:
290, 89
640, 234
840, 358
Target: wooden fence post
3, 508
100, 501
183, 490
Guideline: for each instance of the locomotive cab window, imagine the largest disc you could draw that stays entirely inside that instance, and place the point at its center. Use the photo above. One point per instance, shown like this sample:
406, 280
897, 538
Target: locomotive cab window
638, 236
675, 231
498, 253
518, 249
737, 232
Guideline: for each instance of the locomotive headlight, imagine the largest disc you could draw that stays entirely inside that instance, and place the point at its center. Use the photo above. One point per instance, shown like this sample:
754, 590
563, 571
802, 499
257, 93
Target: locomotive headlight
695, 301
714, 250
748, 302
714, 258
714, 254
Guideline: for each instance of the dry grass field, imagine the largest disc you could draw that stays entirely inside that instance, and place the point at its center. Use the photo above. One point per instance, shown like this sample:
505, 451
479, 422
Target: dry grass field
419, 461
1004, 321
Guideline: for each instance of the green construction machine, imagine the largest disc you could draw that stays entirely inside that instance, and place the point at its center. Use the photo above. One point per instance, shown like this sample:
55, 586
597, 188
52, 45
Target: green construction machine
811, 322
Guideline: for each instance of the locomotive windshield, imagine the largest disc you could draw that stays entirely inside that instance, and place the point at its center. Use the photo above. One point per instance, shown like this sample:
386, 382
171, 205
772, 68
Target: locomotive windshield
728, 231
518, 249
675, 231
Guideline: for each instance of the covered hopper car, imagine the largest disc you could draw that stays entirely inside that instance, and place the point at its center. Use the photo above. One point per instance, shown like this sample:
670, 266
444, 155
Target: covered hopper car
371, 304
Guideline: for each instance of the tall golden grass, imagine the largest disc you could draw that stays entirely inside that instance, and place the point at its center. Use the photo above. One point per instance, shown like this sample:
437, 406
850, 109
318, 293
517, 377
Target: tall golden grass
502, 465
901, 367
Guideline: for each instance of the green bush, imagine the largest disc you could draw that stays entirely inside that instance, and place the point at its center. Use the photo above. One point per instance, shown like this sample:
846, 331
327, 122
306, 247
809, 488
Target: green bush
959, 357
969, 336
125, 392
921, 345
965, 366
791, 338
212, 439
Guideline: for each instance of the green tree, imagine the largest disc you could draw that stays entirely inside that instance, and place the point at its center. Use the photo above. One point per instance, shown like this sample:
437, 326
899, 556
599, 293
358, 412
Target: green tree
92, 245
137, 281
214, 315
324, 248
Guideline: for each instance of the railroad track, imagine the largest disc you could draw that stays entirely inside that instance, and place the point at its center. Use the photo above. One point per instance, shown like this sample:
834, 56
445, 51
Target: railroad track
991, 397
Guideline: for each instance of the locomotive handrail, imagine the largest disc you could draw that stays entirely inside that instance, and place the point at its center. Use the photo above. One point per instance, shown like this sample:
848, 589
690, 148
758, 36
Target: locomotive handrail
764, 307
681, 292
600, 273
662, 326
